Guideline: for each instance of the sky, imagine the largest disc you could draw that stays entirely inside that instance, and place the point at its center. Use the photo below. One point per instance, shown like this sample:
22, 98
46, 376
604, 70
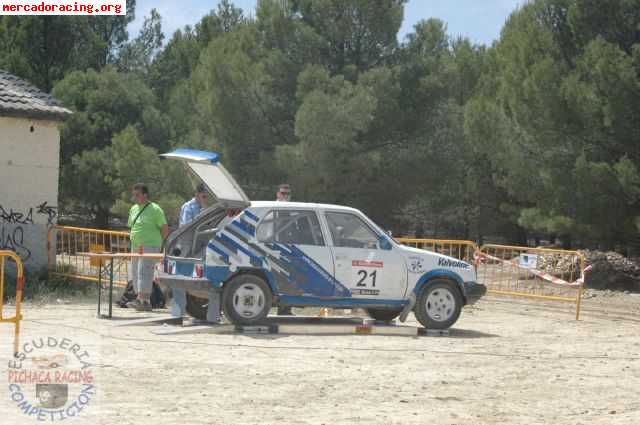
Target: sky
479, 20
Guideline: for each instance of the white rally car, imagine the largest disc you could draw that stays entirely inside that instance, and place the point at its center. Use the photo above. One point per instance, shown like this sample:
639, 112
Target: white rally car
262, 254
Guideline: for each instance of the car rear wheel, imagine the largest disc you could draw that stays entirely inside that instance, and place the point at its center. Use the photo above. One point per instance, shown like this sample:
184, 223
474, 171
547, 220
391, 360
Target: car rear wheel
197, 307
383, 315
439, 304
246, 299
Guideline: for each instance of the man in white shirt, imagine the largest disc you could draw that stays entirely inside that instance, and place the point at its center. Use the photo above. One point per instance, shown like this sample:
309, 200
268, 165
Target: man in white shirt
284, 195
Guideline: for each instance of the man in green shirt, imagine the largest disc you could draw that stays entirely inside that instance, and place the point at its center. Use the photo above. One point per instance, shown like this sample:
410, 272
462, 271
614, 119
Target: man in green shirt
148, 229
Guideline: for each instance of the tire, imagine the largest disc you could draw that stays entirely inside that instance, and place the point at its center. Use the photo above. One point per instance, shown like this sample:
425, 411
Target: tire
246, 299
197, 307
439, 304
383, 314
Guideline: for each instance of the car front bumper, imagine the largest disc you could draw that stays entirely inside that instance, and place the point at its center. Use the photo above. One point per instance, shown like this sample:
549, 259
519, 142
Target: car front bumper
474, 291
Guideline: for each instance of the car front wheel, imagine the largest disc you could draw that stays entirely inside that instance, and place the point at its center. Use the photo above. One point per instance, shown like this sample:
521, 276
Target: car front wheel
438, 305
246, 299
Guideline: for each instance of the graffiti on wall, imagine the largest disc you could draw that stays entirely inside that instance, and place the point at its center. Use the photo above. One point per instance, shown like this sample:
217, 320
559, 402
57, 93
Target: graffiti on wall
13, 223
13, 240
50, 211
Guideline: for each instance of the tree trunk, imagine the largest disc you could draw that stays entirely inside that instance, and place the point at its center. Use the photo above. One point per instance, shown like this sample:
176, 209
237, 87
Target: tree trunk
521, 237
101, 220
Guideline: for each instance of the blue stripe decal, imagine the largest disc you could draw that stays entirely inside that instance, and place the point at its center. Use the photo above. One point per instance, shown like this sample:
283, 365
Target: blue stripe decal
254, 259
216, 274
223, 255
249, 225
244, 226
271, 281
306, 275
339, 302
249, 215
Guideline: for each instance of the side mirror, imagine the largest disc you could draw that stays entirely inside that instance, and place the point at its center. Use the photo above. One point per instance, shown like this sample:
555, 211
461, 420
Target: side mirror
384, 243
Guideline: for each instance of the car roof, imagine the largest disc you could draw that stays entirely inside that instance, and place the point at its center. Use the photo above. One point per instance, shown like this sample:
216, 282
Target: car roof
304, 205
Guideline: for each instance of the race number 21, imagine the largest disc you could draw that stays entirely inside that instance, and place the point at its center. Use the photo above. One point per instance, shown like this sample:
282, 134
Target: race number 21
366, 278
366, 272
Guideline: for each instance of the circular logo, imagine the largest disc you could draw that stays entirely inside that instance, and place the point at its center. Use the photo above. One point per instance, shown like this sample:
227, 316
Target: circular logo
416, 264
51, 379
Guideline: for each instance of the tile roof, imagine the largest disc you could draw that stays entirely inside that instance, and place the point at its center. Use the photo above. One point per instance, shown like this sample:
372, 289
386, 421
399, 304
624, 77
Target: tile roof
21, 99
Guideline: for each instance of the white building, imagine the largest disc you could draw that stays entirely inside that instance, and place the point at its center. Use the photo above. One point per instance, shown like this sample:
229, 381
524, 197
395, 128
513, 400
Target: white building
29, 167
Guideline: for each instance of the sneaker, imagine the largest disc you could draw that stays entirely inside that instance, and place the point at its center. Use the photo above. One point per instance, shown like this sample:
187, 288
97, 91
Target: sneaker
143, 306
134, 304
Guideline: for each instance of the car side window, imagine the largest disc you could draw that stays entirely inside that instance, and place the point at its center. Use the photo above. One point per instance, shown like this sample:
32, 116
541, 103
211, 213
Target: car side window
349, 231
291, 226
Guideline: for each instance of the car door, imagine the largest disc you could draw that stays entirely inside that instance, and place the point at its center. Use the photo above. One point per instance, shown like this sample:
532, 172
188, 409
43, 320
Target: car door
369, 268
298, 256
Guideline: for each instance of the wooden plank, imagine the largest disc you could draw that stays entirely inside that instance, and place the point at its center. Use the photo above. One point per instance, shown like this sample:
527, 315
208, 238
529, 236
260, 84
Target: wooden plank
194, 330
433, 332
334, 320
394, 330
347, 330
289, 326
149, 320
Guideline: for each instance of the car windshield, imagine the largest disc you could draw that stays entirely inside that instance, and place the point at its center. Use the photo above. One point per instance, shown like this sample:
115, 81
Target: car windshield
349, 230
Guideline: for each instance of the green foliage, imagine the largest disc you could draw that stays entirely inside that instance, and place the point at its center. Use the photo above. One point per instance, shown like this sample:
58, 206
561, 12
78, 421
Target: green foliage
535, 135
558, 114
138, 55
111, 109
43, 49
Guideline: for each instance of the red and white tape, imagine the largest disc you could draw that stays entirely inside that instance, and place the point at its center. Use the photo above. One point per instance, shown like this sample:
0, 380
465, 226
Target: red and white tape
539, 273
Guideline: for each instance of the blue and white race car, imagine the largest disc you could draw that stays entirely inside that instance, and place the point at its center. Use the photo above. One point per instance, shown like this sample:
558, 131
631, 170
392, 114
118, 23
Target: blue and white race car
263, 254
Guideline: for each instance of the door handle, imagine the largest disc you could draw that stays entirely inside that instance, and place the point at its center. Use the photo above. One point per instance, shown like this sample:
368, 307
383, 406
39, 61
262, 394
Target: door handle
341, 257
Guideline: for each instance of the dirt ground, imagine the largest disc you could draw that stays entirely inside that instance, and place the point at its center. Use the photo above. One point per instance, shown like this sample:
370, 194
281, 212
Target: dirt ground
505, 362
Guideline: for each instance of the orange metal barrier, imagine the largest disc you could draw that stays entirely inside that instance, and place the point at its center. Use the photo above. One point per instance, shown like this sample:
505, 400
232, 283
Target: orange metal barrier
460, 249
537, 273
64, 243
4, 255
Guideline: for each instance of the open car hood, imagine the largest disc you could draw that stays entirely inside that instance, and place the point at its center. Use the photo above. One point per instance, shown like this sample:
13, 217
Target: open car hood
207, 166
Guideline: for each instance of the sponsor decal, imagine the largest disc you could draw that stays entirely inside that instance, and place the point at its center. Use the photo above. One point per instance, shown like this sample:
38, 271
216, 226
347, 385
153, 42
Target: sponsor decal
365, 292
366, 263
528, 261
446, 262
416, 264
51, 379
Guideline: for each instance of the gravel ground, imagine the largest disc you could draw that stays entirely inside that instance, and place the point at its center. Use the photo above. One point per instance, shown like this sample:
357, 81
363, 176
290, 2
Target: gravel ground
505, 362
